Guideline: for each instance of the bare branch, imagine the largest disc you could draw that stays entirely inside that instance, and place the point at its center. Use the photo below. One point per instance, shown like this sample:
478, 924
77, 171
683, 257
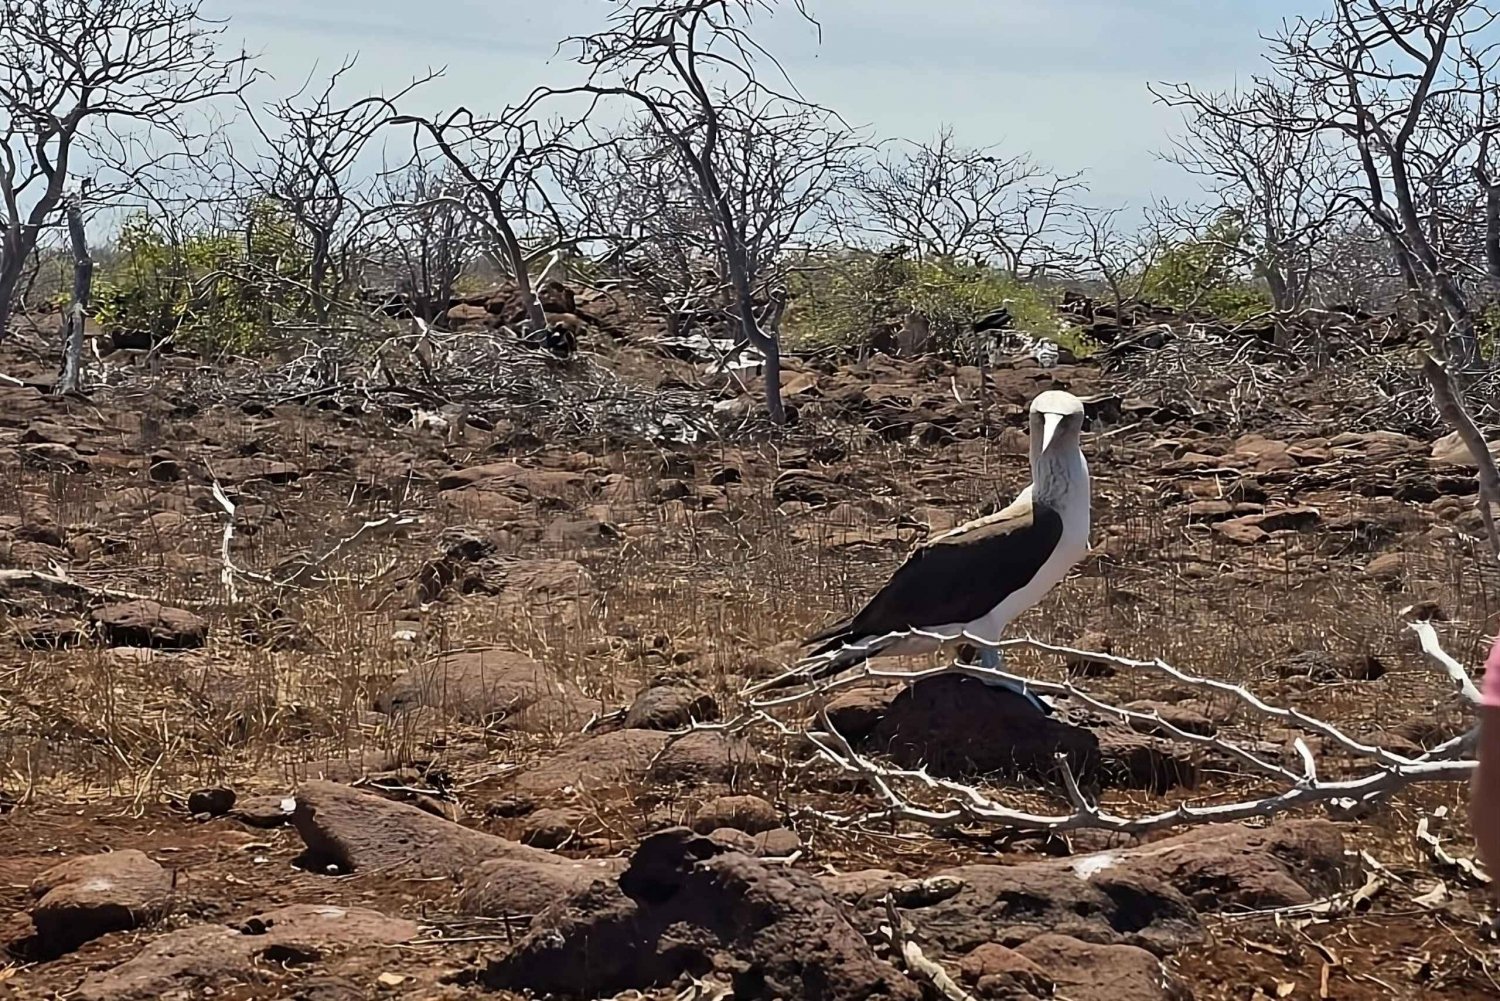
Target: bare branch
1445, 396
83, 84
1388, 772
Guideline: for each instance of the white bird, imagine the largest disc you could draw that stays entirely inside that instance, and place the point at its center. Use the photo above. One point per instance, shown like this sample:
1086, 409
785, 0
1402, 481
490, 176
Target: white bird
968, 584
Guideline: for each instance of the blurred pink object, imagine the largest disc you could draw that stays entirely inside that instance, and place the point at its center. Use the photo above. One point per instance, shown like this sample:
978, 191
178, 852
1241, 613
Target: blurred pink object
1491, 693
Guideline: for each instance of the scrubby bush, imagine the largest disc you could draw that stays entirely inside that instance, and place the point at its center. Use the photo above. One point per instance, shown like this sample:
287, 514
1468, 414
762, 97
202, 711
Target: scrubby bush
211, 291
1208, 273
855, 298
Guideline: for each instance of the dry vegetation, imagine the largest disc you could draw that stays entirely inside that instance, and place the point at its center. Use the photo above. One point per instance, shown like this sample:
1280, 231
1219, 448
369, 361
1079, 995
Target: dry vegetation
382, 574
619, 563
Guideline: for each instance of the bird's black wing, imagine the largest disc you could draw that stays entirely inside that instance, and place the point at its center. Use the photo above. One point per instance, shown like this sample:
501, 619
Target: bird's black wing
957, 577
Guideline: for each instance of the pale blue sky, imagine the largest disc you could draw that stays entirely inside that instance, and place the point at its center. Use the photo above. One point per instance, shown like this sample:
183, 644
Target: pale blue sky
1064, 80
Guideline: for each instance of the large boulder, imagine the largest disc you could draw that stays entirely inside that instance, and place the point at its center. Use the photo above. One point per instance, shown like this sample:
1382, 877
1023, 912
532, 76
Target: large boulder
688, 905
1148, 895
148, 623
93, 895
200, 961
954, 724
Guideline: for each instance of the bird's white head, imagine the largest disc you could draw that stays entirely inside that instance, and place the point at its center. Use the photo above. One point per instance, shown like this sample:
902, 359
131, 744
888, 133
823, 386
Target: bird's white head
1056, 421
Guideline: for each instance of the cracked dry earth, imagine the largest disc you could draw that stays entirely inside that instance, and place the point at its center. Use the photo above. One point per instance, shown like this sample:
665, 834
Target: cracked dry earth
445, 727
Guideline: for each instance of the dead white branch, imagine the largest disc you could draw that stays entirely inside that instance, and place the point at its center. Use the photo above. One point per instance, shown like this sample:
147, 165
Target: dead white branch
1293, 716
899, 935
964, 803
1427, 636
1445, 396
968, 804
1470, 870
227, 570
379, 527
60, 582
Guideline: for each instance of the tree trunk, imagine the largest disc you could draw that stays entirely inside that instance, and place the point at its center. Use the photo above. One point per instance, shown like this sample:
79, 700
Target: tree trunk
317, 278
1492, 233
7, 295
536, 317
83, 280
12, 266
1462, 347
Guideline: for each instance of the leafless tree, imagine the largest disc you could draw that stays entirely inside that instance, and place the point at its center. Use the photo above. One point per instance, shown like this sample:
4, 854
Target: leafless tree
783, 168
507, 164
313, 145
1408, 93
1119, 257
945, 200
692, 67
651, 228
82, 83
420, 234
1352, 267
1286, 186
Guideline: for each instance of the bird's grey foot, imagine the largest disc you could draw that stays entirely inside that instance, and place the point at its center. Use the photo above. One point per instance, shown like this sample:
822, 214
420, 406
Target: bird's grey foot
993, 659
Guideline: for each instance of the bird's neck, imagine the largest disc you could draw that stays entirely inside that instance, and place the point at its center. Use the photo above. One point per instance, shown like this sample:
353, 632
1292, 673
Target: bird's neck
1060, 480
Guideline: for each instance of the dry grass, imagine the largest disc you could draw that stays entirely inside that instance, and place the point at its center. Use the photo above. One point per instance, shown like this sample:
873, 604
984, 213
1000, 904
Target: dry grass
713, 579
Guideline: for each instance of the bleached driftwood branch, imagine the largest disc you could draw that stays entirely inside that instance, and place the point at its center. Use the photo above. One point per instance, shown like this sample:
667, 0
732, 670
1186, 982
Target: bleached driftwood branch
1427, 636
1294, 717
898, 933
1468, 868
304, 568
58, 581
227, 569
968, 804
1446, 398
1390, 772
388, 525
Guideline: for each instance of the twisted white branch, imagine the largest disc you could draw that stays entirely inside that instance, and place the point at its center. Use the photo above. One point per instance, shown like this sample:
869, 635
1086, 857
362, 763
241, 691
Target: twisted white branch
1449, 762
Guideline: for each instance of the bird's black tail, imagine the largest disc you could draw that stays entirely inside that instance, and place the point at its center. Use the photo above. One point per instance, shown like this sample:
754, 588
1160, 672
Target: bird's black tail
838, 648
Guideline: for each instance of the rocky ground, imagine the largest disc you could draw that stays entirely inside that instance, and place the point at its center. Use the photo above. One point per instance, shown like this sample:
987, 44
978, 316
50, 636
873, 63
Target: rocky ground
329, 685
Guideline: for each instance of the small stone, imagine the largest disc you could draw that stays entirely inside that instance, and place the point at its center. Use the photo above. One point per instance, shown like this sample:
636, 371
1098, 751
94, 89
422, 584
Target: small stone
93, 895
731, 838
214, 802
164, 469
750, 814
998, 972
855, 713
52, 457
495, 685
1087, 971
551, 828
1079, 666
671, 707
1184, 718
701, 757
53, 633
264, 811
779, 842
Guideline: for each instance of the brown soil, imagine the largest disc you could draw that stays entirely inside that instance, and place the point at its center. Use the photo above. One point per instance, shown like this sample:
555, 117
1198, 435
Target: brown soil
550, 597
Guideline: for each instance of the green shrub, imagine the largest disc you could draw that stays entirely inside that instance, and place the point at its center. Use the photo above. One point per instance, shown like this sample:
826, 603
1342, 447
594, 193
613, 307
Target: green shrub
850, 298
1206, 274
215, 291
